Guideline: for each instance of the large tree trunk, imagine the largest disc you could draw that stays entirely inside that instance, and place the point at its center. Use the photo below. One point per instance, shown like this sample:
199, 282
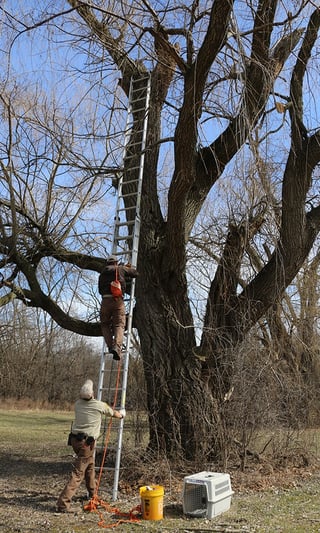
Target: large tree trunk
182, 410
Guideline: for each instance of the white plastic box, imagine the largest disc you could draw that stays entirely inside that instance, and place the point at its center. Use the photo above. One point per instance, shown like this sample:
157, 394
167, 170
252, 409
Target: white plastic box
206, 494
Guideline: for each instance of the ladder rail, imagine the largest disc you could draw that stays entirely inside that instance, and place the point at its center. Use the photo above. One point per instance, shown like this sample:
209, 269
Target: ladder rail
123, 395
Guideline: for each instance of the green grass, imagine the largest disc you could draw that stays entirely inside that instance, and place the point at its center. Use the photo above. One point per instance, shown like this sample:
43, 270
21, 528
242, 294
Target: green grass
37, 430
289, 511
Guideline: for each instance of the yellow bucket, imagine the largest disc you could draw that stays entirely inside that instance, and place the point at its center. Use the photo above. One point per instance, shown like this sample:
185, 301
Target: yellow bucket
152, 502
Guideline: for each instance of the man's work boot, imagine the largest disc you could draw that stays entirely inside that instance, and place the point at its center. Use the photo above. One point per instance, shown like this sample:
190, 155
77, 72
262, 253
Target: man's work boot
116, 355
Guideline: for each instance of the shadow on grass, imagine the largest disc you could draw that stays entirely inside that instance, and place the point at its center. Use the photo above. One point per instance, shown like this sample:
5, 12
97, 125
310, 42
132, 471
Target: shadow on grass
29, 499
25, 467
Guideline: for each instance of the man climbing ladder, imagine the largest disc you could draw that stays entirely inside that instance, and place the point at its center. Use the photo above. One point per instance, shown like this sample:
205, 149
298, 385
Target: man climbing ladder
112, 310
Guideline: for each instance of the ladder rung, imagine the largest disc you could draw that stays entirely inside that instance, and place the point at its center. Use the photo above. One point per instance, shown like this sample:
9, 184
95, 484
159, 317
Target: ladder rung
131, 157
128, 195
136, 90
143, 108
135, 168
138, 95
139, 80
125, 209
140, 90
135, 132
128, 223
135, 144
129, 182
125, 237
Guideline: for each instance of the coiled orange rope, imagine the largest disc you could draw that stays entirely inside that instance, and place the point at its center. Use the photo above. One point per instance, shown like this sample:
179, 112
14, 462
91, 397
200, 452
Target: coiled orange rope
134, 515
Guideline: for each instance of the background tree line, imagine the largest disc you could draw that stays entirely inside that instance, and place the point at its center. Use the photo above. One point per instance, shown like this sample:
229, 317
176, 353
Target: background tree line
42, 365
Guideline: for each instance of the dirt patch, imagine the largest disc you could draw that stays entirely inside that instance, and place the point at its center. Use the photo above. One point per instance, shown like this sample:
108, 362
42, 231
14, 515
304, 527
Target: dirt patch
29, 488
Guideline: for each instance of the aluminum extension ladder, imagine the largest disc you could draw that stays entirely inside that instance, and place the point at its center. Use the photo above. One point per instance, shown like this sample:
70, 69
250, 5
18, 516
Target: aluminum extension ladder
125, 246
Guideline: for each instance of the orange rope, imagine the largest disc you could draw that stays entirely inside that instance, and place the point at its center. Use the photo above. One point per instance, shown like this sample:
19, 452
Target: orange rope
134, 514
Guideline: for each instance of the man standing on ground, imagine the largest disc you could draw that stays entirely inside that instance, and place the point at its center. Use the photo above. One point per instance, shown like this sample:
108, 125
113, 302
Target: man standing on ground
112, 310
85, 431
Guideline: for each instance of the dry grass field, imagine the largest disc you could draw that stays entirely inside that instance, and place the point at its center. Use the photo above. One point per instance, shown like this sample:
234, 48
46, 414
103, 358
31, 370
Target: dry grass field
35, 463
